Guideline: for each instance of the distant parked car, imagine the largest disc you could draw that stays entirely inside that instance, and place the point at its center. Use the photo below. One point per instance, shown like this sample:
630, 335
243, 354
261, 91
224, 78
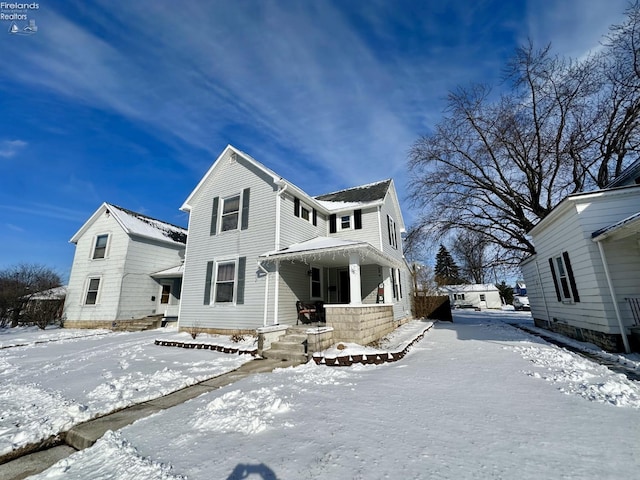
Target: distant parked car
521, 302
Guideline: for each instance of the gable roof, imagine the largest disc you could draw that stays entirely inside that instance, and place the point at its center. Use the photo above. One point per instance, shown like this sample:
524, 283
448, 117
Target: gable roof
137, 224
373, 192
370, 194
628, 176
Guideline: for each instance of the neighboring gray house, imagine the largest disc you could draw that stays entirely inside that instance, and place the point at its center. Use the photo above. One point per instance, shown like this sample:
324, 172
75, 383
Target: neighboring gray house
482, 296
126, 266
584, 279
258, 244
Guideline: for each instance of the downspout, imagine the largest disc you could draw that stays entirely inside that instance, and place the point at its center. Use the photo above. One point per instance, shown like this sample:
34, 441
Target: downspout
281, 190
266, 293
623, 331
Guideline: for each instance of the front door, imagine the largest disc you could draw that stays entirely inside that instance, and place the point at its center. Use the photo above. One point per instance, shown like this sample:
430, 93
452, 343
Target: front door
344, 286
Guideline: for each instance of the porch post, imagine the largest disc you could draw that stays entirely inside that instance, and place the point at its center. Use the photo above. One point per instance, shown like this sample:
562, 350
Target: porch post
354, 279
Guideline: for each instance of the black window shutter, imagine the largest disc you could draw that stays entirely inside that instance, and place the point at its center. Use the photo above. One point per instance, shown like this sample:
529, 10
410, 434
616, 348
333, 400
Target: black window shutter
357, 219
572, 279
214, 216
207, 283
315, 217
555, 280
400, 282
245, 209
242, 266
333, 223
296, 207
389, 230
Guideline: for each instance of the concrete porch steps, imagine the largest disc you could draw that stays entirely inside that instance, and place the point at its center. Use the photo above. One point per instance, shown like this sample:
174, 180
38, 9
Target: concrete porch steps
139, 325
291, 347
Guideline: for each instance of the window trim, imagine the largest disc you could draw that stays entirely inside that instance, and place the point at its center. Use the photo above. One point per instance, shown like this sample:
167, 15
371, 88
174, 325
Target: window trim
348, 216
88, 290
301, 208
236, 212
215, 281
95, 246
564, 280
319, 282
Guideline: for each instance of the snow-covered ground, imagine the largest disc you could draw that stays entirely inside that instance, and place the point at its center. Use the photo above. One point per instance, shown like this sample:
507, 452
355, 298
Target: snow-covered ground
476, 398
55, 379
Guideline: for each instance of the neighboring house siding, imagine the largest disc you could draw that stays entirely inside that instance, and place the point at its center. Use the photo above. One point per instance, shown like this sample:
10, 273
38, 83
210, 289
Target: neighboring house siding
230, 178
138, 287
108, 270
571, 231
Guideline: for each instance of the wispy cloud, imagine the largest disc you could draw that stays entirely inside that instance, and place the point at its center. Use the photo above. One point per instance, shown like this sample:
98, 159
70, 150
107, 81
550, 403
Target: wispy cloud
47, 210
9, 148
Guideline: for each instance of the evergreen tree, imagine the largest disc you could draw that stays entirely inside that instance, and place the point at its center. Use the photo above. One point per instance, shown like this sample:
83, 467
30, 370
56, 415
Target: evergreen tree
446, 271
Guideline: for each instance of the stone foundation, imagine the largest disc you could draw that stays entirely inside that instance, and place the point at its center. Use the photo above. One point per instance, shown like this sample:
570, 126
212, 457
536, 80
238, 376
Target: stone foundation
319, 339
611, 342
362, 324
93, 323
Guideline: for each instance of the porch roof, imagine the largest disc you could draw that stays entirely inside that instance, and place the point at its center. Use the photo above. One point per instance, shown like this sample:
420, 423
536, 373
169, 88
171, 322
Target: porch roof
332, 252
173, 272
623, 228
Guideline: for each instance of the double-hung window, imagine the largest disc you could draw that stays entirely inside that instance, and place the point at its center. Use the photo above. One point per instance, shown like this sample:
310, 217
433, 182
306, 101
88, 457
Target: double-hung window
225, 282
393, 235
345, 222
230, 213
564, 281
92, 291
100, 248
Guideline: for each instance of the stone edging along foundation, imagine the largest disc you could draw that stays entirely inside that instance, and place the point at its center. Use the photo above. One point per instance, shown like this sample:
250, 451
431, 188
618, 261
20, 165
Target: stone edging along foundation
206, 346
368, 358
340, 361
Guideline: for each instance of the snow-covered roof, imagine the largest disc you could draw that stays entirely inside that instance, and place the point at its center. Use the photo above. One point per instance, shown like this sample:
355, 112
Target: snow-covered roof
138, 224
631, 224
475, 287
134, 223
55, 293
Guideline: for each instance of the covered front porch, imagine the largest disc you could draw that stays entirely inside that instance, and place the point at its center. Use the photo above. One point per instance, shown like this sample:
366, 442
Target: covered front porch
169, 291
352, 285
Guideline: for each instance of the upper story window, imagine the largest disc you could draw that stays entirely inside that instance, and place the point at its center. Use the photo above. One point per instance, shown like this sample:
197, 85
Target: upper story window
100, 249
230, 213
92, 291
304, 211
345, 222
393, 234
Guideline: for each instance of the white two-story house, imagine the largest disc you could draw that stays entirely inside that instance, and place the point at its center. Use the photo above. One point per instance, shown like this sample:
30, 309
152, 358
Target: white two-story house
258, 244
127, 266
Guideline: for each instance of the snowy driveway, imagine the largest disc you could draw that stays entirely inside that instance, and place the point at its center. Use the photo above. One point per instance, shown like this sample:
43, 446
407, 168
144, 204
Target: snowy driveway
49, 387
475, 399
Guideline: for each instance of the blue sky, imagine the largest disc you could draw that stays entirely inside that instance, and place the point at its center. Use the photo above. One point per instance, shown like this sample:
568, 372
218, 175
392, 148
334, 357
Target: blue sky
131, 102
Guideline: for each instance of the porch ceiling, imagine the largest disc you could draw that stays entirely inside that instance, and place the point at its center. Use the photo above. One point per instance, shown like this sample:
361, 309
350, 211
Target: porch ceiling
331, 252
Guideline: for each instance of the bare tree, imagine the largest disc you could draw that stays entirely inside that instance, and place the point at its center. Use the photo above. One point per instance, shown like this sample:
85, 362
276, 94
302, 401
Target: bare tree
497, 166
18, 284
470, 249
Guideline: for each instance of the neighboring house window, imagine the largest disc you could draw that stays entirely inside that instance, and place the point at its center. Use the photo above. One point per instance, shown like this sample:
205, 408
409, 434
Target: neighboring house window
482, 297
316, 283
458, 296
100, 249
166, 294
393, 235
564, 281
230, 213
92, 291
228, 286
304, 211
